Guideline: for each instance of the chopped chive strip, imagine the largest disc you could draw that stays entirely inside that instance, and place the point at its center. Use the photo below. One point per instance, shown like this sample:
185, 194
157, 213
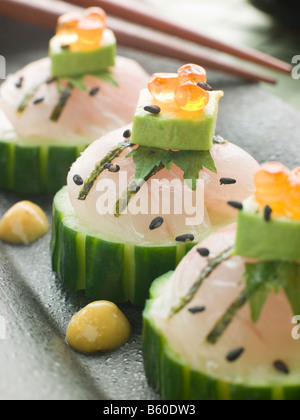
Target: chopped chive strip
227, 318
63, 99
99, 168
205, 273
28, 97
133, 188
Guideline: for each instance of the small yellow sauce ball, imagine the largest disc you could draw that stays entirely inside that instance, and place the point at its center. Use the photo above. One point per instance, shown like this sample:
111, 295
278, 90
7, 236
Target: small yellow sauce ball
100, 326
23, 224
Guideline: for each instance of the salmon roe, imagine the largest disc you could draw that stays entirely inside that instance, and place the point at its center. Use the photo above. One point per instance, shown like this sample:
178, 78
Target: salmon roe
279, 188
67, 28
271, 183
162, 86
192, 73
83, 31
181, 88
190, 97
95, 12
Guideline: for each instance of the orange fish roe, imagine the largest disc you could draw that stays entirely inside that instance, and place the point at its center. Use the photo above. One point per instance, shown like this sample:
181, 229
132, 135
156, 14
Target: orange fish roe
96, 12
162, 86
190, 97
292, 199
90, 30
192, 73
67, 28
271, 183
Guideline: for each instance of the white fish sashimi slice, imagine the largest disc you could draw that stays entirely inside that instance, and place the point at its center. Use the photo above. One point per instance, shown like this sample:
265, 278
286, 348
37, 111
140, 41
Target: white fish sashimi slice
134, 228
85, 116
264, 342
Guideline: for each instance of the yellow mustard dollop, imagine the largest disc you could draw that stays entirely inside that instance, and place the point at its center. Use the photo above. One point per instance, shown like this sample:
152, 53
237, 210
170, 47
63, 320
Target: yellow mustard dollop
100, 326
23, 224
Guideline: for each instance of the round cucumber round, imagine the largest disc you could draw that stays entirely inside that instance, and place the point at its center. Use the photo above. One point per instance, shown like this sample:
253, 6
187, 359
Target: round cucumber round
174, 379
105, 269
221, 326
35, 169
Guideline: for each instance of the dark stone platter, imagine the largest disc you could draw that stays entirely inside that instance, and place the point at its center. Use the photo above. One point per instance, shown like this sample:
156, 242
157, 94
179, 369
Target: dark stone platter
35, 361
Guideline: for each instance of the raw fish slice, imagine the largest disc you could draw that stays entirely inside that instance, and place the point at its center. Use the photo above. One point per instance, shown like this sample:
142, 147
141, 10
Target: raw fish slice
265, 342
229, 159
85, 116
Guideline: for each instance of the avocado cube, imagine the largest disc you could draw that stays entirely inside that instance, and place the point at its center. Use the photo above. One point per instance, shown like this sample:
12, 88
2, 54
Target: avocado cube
173, 128
73, 63
275, 240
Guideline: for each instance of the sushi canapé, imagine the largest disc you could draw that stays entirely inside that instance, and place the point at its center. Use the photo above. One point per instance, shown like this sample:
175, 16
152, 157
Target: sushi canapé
53, 108
221, 326
123, 218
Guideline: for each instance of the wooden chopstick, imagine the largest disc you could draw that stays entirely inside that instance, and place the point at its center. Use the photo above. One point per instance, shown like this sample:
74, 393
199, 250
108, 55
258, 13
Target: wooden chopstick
45, 13
133, 11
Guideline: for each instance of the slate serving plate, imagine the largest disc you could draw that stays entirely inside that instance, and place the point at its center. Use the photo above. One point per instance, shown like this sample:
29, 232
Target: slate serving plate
35, 361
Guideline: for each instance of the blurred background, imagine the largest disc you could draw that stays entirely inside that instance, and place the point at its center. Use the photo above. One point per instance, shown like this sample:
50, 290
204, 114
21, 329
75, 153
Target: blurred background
271, 26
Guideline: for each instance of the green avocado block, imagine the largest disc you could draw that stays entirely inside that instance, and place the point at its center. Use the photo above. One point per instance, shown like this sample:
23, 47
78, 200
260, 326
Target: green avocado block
68, 63
277, 239
173, 128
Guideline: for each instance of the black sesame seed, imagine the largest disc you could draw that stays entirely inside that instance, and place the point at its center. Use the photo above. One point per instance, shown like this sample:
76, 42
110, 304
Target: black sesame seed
20, 82
236, 205
94, 91
51, 79
227, 181
235, 354
204, 252
281, 367
205, 86
156, 223
153, 109
267, 213
185, 238
197, 309
38, 101
112, 167
78, 180
127, 134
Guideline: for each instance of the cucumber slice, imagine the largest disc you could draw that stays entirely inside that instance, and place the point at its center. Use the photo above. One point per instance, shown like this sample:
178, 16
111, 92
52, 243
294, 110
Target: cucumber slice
35, 169
118, 272
172, 377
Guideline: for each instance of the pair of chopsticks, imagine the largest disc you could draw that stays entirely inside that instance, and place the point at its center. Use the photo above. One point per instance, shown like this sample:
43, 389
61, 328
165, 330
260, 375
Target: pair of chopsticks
162, 37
